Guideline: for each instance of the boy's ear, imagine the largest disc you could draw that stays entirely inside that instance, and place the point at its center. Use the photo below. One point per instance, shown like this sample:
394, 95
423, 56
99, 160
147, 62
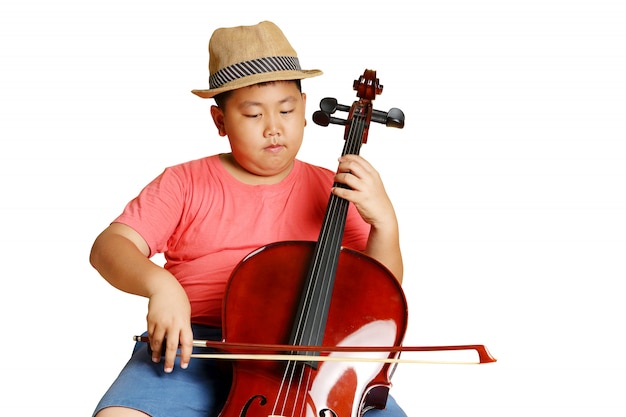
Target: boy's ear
218, 118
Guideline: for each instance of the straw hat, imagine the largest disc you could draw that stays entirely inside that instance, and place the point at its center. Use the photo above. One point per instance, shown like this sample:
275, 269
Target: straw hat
246, 55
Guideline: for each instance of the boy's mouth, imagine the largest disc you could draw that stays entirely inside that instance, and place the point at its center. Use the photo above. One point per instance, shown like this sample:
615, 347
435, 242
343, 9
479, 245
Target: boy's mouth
274, 148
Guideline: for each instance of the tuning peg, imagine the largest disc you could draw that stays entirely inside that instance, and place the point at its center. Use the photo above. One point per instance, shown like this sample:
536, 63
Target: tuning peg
395, 118
329, 105
324, 119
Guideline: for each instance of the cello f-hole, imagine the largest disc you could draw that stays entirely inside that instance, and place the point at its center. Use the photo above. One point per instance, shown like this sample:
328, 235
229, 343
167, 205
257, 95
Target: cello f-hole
262, 401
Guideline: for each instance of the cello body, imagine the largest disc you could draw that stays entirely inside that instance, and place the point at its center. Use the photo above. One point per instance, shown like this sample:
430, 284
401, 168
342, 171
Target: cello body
367, 308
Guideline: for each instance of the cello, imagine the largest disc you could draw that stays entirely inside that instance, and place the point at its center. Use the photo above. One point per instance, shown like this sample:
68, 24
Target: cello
299, 293
322, 328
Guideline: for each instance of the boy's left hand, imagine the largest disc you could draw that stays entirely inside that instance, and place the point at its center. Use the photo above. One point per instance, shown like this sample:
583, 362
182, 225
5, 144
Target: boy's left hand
366, 192
368, 195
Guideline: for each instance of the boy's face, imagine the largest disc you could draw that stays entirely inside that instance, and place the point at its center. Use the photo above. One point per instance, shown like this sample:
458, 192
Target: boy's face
265, 127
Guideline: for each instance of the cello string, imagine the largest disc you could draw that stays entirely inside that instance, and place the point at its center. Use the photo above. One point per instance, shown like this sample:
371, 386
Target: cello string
302, 392
303, 401
287, 380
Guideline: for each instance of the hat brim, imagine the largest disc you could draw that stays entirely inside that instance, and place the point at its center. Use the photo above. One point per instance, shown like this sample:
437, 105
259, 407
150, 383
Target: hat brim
258, 78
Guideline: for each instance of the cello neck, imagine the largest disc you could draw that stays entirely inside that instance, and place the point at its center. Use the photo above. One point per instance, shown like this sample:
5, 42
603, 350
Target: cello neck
315, 301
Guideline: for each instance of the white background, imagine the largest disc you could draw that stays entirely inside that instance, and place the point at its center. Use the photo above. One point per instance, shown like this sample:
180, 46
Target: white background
508, 181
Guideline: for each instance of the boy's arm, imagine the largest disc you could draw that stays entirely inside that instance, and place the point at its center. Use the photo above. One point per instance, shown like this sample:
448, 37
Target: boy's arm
383, 245
368, 195
120, 255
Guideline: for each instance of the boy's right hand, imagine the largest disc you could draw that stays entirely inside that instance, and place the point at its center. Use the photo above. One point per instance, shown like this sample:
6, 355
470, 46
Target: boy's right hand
169, 325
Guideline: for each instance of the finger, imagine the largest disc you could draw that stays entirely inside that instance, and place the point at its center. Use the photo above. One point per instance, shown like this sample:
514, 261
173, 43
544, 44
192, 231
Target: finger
171, 348
353, 163
345, 193
156, 344
346, 167
186, 347
351, 180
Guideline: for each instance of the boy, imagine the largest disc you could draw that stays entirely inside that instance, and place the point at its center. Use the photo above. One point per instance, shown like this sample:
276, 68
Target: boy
206, 215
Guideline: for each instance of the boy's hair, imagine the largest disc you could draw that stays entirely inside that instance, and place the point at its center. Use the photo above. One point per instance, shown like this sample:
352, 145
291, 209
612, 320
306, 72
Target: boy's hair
222, 98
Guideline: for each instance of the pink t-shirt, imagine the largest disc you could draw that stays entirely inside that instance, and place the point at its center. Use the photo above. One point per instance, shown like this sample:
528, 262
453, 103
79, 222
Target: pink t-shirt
205, 222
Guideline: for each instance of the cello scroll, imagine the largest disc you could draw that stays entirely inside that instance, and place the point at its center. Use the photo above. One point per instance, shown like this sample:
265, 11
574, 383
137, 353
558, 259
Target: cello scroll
367, 87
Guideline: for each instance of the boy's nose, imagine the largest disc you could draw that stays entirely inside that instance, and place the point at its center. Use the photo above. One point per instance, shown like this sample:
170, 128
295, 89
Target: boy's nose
271, 129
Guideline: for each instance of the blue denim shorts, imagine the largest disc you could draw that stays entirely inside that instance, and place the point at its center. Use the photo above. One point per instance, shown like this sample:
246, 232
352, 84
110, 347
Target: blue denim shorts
198, 391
